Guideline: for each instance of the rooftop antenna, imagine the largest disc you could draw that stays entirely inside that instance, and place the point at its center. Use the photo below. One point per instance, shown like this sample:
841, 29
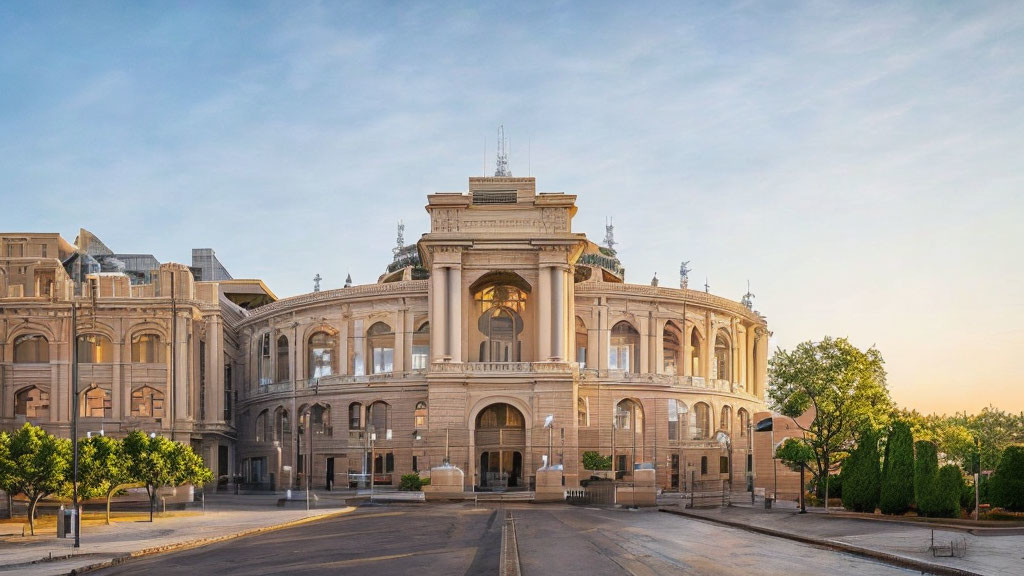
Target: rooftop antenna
501, 165
316, 282
684, 275
400, 242
707, 288
609, 234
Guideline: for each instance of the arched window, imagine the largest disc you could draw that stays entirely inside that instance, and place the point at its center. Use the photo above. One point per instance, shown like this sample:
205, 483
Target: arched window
146, 349
420, 415
702, 415
582, 414
95, 403
677, 413
629, 415
421, 347
94, 349
500, 299
147, 402
671, 348
32, 402
355, 416
265, 374
581, 342
31, 348
320, 418
282, 359
725, 423
378, 415
321, 354
382, 347
695, 348
282, 427
629, 435
500, 416
722, 367
744, 418
262, 427
625, 341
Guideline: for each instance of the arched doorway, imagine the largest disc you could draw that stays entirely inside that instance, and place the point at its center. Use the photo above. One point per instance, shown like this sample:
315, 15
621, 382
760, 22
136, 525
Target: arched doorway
500, 446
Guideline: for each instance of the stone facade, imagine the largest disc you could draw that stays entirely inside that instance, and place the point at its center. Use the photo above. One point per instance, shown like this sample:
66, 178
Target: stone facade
501, 319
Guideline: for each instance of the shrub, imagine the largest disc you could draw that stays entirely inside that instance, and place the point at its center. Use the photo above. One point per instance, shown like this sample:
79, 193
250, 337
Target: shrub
835, 487
949, 485
926, 472
897, 492
1007, 484
410, 482
594, 461
967, 497
861, 477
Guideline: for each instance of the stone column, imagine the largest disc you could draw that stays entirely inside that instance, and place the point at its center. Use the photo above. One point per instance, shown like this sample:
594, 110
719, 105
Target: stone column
658, 342
438, 336
400, 350
749, 382
687, 349
741, 338
645, 345
118, 400
602, 341
544, 314
709, 348
558, 313
455, 313
762, 366
344, 362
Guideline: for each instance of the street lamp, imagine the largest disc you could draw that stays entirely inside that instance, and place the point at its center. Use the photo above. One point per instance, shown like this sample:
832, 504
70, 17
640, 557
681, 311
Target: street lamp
549, 423
373, 459
725, 441
74, 418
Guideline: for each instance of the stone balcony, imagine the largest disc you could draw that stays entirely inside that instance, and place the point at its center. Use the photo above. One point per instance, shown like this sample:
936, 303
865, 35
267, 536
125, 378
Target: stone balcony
504, 368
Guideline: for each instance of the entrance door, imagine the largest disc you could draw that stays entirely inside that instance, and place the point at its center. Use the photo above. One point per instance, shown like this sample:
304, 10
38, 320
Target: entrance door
501, 469
330, 474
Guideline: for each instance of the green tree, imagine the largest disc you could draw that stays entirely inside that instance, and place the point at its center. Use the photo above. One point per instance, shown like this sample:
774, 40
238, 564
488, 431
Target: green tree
155, 462
39, 464
861, 475
926, 471
898, 470
7, 475
844, 386
949, 486
108, 467
593, 460
1007, 484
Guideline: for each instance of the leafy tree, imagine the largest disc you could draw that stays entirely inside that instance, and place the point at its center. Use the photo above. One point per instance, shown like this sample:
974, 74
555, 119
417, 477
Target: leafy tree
795, 453
108, 467
926, 471
844, 386
7, 475
861, 476
1007, 484
897, 493
39, 464
595, 461
156, 462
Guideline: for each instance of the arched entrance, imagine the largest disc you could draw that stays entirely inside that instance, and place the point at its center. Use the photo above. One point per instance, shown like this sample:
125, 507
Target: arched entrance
500, 446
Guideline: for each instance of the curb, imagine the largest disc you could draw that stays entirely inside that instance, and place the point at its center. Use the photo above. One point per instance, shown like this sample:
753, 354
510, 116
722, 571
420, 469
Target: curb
117, 560
899, 561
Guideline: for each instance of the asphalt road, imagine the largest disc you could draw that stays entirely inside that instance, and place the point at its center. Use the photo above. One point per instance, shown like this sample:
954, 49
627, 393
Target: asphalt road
458, 539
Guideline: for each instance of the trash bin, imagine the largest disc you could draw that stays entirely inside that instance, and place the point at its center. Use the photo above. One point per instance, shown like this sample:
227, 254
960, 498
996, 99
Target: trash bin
65, 522
768, 503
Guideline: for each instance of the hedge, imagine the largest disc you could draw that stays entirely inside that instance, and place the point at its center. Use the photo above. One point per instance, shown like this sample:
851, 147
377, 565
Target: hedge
1007, 485
897, 492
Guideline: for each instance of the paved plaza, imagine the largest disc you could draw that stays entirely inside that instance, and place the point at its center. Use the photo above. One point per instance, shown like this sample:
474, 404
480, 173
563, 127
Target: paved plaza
464, 539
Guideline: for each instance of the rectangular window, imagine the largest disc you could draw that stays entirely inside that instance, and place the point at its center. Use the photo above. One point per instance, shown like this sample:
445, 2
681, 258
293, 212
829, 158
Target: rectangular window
42, 250
703, 465
383, 360
415, 464
227, 390
723, 465
419, 357
673, 420
618, 358
581, 356
358, 364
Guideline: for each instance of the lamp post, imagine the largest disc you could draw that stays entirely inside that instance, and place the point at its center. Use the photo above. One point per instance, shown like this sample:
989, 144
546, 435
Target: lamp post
726, 442
549, 424
373, 457
74, 418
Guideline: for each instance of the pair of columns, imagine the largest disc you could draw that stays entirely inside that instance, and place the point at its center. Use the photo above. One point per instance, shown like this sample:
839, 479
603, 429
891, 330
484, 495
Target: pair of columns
552, 322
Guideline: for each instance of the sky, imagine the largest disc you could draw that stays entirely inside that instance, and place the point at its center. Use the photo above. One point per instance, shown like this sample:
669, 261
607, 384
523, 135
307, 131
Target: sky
860, 164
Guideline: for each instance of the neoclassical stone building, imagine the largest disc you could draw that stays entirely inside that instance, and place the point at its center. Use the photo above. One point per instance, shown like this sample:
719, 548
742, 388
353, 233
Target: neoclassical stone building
497, 321
498, 318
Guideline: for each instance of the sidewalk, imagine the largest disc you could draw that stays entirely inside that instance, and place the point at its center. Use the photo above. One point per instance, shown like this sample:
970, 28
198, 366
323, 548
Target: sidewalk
990, 553
226, 516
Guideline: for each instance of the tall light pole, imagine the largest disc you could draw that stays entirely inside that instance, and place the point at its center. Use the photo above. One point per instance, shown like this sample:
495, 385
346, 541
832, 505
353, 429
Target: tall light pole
373, 459
74, 419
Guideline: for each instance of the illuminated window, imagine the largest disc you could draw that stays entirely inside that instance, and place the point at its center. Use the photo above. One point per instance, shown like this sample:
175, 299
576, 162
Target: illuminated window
420, 415
32, 348
94, 349
146, 349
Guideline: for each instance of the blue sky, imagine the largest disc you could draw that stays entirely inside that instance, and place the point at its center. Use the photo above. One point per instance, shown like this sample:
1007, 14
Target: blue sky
859, 163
